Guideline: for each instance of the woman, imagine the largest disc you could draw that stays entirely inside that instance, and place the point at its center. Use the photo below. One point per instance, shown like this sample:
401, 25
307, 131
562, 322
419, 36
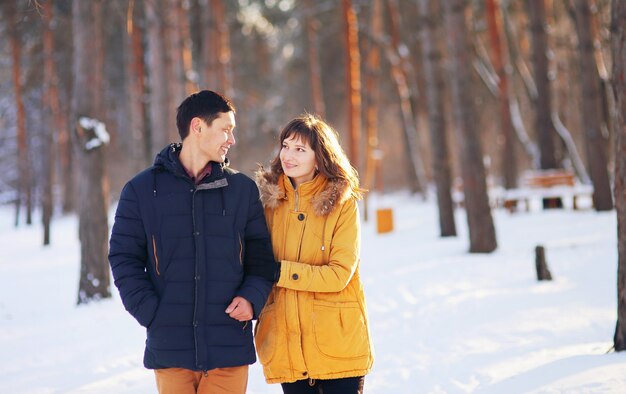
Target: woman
313, 335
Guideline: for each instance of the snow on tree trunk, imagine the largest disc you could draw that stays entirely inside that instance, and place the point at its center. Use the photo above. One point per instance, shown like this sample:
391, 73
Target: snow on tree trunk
591, 111
430, 17
618, 50
480, 222
89, 138
529, 145
570, 145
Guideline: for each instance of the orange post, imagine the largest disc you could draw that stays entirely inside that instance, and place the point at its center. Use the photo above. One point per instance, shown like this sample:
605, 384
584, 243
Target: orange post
384, 220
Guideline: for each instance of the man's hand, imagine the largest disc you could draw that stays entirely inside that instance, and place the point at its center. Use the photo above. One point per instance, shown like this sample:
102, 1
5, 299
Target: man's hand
240, 309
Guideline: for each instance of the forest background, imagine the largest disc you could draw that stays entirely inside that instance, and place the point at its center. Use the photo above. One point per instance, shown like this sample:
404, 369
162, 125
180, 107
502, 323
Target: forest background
457, 97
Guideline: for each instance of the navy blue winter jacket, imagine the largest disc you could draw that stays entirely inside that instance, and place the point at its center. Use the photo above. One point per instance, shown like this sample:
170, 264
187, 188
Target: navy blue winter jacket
178, 251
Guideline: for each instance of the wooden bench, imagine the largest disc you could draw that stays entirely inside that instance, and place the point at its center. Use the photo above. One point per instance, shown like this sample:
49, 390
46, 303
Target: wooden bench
550, 186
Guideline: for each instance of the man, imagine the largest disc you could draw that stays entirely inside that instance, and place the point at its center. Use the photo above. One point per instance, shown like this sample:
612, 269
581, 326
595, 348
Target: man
186, 232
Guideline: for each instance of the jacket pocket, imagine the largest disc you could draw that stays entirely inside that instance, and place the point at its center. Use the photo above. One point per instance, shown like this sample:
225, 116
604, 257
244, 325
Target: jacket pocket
266, 334
156, 315
340, 329
155, 256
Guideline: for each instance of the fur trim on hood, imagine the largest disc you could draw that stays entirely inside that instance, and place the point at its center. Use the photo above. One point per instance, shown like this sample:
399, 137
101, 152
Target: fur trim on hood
335, 192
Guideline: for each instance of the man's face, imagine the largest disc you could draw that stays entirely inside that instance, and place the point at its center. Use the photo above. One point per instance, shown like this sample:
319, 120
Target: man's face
215, 140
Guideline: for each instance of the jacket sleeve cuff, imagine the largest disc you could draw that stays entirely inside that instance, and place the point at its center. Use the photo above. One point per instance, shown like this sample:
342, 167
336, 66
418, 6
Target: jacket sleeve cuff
255, 293
294, 276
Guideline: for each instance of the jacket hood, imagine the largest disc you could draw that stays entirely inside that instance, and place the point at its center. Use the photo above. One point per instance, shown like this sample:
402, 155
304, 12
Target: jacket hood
272, 191
168, 160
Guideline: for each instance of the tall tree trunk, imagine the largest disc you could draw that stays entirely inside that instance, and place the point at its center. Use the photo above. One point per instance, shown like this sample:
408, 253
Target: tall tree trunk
91, 155
97, 41
196, 35
509, 160
51, 108
226, 76
136, 88
66, 159
430, 33
543, 104
190, 76
604, 82
480, 223
371, 101
24, 194
618, 50
175, 51
591, 111
399, 66
173, 84
66, 156
210, 63
159, 103
315, 74
66, 162
353, 79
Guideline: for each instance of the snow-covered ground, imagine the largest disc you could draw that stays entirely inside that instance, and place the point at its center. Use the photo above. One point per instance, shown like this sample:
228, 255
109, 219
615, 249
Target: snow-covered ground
443, 320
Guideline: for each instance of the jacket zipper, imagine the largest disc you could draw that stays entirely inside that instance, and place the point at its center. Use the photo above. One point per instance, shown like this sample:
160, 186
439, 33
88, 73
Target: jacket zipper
156, 257
195, 298
295, 209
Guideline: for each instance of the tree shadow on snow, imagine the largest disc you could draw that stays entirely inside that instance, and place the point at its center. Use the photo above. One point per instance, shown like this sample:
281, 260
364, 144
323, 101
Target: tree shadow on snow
548, 374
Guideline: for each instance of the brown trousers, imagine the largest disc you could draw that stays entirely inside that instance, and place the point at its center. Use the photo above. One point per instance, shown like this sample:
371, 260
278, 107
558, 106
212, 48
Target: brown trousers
232, 380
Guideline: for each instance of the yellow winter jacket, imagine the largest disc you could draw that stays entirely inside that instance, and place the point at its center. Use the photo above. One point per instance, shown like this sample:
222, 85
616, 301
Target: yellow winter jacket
314, 324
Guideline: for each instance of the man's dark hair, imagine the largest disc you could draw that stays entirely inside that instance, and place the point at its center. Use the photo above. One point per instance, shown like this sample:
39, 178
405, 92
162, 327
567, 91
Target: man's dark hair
206, 105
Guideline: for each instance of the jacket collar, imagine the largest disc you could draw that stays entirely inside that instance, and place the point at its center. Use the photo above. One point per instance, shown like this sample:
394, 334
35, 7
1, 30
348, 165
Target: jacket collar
168, 160
326, 194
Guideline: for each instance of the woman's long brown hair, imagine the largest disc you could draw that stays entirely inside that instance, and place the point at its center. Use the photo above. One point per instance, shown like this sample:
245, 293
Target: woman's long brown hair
331, 159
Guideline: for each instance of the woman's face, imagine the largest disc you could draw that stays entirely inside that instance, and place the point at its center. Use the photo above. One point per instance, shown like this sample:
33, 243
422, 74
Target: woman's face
297, 160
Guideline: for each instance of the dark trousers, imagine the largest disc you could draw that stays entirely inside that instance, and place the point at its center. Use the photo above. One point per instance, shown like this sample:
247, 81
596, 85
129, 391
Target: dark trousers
329, 386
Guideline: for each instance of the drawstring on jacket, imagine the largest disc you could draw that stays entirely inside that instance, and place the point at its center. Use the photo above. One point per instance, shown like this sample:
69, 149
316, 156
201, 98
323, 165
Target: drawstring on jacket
323, 248
223, 201
154, 188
